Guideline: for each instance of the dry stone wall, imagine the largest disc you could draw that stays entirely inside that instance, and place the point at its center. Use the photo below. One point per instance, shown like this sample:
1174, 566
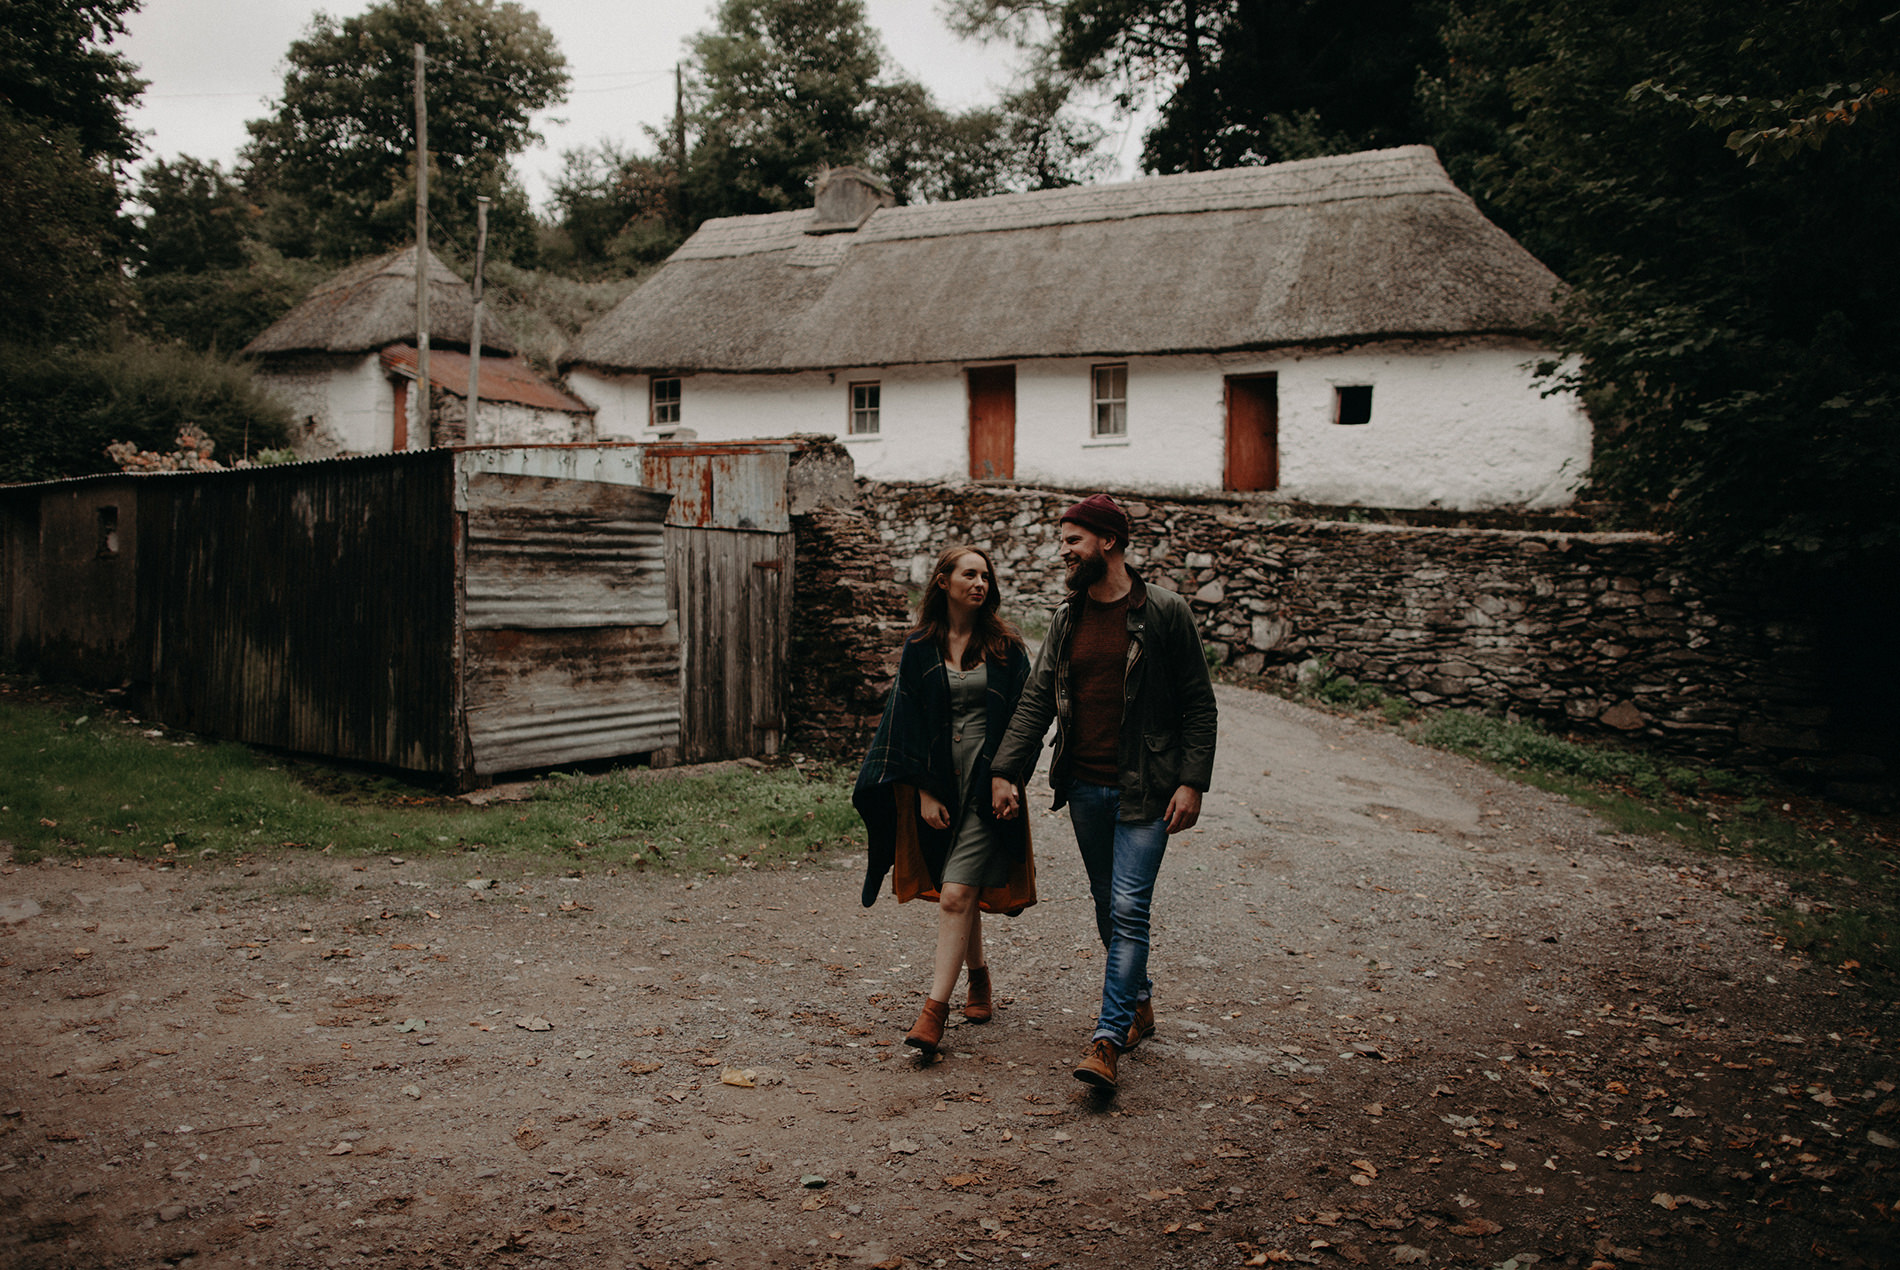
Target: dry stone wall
848, 623
1591, 631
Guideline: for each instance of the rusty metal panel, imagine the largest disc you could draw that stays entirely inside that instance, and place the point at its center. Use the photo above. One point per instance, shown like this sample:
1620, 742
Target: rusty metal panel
733, 593
545, 553
546, 697
724, 486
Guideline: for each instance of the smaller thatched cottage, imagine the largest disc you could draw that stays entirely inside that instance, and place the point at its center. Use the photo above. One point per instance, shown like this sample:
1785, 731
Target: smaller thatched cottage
1340, 330
344, 361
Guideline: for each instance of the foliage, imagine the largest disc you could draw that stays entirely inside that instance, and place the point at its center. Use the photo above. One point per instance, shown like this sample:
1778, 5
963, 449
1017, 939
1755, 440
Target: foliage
222, 310
1238, 82
1730, 324
57, 73
338, 150
196, 218
546, 310
61, 408
782, 87
60, 278
75, 782
617, 211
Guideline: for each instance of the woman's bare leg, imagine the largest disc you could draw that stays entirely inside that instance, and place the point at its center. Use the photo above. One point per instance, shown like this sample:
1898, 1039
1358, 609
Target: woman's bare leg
956, 914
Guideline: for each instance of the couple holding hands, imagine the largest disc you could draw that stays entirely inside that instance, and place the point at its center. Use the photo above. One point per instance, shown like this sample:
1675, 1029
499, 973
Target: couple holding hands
1122, 675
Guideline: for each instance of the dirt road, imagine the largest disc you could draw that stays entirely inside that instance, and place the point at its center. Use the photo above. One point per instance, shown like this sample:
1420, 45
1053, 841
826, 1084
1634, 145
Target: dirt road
1410, 1014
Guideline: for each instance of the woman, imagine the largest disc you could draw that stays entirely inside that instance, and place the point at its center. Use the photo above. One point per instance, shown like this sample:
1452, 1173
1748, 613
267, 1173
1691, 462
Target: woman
924, 788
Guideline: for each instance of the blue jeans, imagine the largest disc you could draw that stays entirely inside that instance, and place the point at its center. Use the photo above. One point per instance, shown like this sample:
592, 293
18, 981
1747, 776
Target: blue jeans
1123, 861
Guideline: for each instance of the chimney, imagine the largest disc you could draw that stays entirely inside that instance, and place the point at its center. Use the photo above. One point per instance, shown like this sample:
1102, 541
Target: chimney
846, 198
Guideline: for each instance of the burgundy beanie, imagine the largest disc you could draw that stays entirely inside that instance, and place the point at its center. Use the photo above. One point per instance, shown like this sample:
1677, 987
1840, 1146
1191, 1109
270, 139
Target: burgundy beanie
1099, 514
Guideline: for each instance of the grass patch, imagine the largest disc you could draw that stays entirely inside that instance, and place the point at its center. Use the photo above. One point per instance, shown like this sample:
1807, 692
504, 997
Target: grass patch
81, 784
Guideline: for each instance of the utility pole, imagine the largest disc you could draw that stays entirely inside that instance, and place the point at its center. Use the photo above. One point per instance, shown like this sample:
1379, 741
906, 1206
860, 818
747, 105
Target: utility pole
422, 243
679, 139
475, 325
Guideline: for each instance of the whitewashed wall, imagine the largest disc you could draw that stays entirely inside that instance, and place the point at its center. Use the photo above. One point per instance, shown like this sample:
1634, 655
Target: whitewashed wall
339, 404
1454, 425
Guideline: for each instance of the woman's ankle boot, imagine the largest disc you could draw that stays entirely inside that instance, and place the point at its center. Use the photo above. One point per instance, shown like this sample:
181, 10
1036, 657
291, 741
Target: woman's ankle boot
977, 1008
927, 1035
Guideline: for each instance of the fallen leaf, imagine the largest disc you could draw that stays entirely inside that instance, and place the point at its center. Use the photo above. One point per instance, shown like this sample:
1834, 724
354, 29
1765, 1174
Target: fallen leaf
962, 1179
1476, 1228
534, 1024
525, 1136
745, 1078
640, 1067
1663, 1199
1375, 1109
1365, 1166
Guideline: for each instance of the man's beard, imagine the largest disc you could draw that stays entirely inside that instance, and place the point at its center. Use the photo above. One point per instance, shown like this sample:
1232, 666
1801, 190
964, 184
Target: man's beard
1086, 572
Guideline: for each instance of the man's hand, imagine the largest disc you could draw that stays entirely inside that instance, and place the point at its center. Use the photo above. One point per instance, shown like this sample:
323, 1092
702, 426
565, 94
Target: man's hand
1184, 809
935, 814
1003, 800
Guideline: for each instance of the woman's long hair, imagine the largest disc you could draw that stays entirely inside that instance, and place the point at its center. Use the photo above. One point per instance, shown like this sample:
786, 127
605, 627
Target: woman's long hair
994, 635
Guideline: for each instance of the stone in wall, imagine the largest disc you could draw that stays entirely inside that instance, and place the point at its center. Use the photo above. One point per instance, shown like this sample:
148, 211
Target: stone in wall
848, 624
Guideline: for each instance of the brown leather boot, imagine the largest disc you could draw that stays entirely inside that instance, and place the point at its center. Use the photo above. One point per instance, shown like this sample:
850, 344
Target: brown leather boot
1144, 1025
1098, 1069
927, 1035
977, 1009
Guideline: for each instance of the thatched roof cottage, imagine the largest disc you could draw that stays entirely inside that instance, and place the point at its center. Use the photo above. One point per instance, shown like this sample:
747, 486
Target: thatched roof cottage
344, 360
1344, 329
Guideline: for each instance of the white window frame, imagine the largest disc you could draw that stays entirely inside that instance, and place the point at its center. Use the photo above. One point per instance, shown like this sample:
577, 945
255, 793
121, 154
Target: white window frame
1114, 406
864, 408
657, 406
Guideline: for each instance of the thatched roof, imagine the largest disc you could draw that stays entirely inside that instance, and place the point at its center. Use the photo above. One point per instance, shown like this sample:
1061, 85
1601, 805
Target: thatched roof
373, 303
1351, 247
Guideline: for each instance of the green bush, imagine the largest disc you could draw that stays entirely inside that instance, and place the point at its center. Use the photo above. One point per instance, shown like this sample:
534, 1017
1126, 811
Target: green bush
60, 408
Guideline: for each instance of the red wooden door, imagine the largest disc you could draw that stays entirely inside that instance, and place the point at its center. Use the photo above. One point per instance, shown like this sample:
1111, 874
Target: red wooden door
992, 423
1253, 433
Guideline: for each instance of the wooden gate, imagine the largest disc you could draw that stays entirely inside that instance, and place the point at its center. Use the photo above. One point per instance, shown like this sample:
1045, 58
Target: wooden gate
1253, 432
733, 592
992, 423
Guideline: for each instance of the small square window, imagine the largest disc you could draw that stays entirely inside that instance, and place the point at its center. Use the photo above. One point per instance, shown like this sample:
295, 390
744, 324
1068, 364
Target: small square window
864, 410
1111, 401
666, 403
108, 530
1352, 405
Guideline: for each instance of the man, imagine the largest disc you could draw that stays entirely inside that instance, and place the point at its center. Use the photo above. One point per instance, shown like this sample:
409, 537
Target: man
1122, 673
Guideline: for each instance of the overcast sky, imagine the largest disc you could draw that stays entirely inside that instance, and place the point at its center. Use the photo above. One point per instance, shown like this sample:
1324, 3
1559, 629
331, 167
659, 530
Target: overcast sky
213, 64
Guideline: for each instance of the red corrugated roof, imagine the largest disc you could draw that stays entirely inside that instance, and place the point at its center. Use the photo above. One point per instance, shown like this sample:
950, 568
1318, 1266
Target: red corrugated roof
507, 379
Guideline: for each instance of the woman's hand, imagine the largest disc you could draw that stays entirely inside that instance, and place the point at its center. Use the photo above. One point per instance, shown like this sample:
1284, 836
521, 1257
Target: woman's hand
935, 814
1004, 801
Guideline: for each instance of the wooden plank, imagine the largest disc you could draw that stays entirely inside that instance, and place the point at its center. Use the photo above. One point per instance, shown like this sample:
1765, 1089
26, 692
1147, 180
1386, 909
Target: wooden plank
732, 592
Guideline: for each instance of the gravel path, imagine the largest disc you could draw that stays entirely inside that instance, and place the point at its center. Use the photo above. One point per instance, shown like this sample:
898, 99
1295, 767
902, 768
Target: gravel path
1410, 1014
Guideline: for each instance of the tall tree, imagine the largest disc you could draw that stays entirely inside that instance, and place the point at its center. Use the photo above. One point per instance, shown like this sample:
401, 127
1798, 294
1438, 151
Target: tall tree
63, 136
1236, 81
333, 164
783, 86
57, 72
196, 217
